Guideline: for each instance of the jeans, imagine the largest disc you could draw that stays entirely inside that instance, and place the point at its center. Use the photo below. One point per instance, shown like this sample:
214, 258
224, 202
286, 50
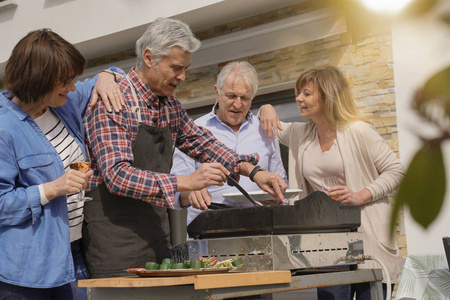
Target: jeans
80, 271
67, 291
362, 290
15, 292
346, 292
337, 292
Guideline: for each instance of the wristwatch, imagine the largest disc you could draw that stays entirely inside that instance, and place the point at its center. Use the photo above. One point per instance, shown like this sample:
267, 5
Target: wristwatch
254, 171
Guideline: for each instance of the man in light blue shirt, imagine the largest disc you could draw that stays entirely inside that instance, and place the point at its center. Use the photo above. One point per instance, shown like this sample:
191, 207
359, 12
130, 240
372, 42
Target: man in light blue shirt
232, 123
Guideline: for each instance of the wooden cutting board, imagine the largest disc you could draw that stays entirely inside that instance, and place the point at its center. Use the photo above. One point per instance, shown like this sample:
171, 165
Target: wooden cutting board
199, 281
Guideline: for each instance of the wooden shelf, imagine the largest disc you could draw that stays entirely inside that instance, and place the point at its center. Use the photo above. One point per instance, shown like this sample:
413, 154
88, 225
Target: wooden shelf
209, 281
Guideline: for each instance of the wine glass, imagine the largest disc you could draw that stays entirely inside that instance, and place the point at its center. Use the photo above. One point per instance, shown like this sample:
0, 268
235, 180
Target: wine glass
329, 182
82, 163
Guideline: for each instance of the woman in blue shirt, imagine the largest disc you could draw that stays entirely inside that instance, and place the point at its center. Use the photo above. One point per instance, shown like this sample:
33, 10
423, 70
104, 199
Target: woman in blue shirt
35, 250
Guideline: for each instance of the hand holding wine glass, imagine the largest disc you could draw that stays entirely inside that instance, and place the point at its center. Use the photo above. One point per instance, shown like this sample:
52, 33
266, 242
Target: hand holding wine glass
82, 163
329, 182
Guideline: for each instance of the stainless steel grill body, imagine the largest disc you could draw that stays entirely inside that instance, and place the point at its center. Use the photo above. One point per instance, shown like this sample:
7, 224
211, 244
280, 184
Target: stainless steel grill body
277, 252
314, 232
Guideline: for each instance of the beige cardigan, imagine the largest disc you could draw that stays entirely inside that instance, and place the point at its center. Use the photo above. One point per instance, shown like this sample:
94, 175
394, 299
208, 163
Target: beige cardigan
368, 163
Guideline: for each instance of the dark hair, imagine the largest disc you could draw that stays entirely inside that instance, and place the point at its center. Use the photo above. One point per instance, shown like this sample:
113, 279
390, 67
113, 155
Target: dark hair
40, 61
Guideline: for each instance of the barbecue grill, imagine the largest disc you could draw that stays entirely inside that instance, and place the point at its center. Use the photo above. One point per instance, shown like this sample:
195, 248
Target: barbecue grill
314, 232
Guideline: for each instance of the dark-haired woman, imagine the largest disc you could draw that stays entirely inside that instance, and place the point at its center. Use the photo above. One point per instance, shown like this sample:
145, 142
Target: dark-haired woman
35, 245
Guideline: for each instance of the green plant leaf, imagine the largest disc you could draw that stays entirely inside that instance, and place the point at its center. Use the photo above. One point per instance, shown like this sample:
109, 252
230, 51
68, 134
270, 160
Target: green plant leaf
437, 86
423, 187
446, 19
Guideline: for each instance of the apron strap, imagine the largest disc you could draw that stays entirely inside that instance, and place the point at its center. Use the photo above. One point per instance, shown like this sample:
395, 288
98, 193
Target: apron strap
168, 124
135, 108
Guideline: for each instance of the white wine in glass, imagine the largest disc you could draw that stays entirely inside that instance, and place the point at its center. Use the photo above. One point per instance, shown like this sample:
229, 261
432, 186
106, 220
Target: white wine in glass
83, 164
329, 182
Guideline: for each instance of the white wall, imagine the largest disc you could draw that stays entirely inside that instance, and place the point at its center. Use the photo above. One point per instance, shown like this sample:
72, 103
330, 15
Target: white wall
113, 24
101, 27
421, 49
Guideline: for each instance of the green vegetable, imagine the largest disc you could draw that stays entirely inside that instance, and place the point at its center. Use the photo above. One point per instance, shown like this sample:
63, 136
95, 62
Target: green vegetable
187, 264
237, 262
224, 264
206, 263
196, 264
178, 266
168, 261
164, 266
151, 265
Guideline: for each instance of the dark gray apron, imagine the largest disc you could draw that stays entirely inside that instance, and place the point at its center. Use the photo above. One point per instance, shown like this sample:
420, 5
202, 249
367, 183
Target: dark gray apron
120, 232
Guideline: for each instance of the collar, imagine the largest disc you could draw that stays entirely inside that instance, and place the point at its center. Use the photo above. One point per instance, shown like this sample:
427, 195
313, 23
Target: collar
144, 91
248, 119
6, 101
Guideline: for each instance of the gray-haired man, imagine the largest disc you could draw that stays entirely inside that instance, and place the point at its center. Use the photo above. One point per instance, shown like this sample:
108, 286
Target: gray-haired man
127, 224
232, 123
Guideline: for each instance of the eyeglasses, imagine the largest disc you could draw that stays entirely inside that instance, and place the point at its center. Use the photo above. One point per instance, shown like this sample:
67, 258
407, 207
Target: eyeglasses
69, 80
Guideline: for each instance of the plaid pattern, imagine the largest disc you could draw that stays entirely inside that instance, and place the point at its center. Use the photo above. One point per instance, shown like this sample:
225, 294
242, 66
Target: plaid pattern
111, 137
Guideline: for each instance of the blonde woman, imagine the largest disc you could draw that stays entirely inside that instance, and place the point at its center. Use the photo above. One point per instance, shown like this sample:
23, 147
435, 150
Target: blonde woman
338, 142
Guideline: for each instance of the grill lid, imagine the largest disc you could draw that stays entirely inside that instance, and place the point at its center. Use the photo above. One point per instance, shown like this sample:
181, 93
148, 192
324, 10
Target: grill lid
313, 214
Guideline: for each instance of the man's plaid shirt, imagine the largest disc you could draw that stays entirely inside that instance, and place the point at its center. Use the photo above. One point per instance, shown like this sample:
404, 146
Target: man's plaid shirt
111, 137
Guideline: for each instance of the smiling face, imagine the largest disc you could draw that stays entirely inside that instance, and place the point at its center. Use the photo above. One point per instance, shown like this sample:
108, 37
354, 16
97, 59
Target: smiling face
58, 96
163, 77
234, 101
310, 102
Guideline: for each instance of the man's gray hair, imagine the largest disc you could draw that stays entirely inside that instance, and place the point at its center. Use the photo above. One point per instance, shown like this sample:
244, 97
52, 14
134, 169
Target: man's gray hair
243, 70
163, 34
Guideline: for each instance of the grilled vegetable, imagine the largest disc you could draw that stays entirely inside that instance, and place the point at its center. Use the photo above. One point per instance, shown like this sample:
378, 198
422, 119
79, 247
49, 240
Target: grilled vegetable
212, 262
187, 264
197, 264
237, 262
178, 266
151, 265
168, 261
165, 266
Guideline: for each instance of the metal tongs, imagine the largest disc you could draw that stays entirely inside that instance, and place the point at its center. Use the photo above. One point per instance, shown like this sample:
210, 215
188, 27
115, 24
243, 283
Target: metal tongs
233, 182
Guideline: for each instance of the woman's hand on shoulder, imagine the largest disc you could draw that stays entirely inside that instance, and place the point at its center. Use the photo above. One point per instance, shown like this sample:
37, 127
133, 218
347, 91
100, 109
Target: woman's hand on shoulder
108, 90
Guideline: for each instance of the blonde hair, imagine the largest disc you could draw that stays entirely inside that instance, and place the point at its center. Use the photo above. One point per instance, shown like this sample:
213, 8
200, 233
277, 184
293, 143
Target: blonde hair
339, 106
